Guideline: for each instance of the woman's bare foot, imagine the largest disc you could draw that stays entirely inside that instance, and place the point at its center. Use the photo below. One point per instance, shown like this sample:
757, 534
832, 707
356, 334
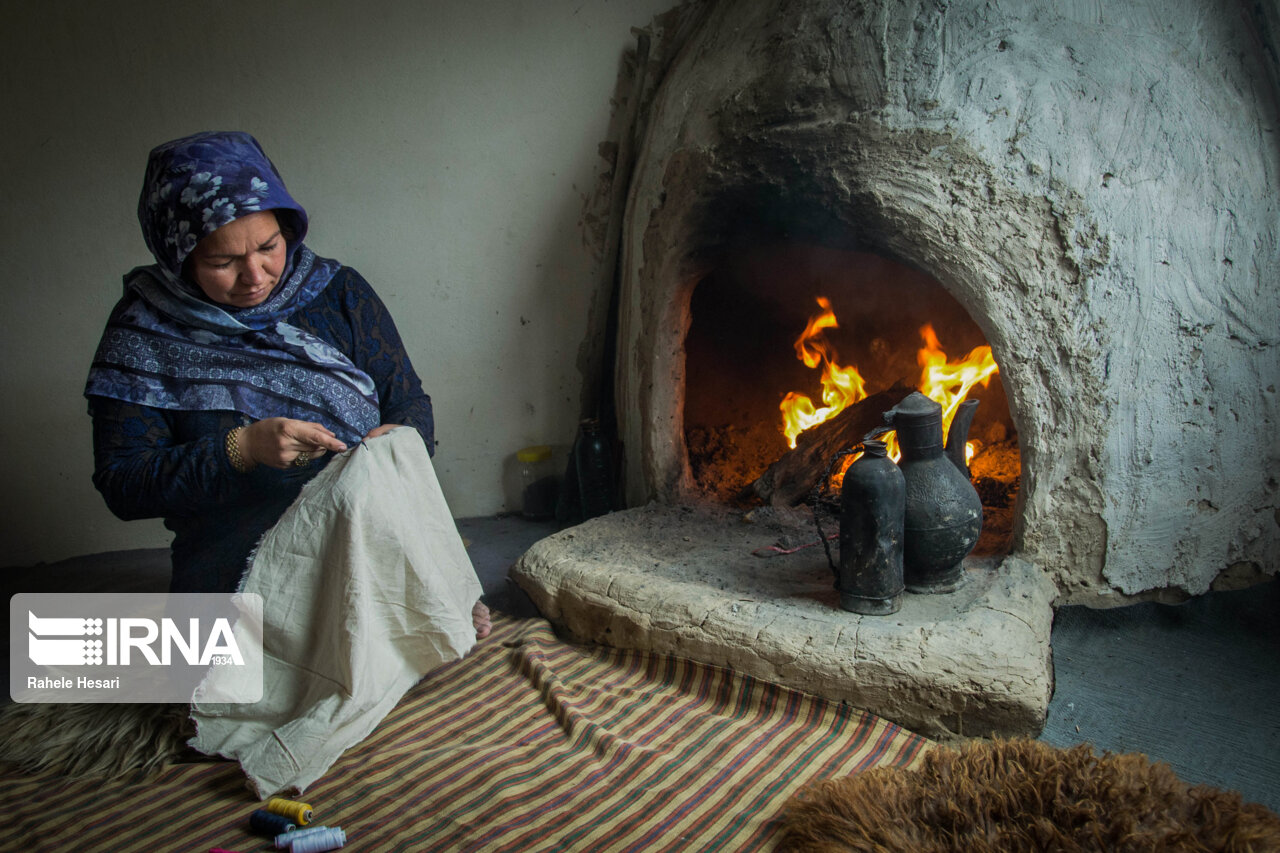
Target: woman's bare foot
481, 619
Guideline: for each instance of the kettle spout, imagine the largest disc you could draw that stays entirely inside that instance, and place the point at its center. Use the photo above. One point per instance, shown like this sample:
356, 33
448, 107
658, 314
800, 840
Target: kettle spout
958, 434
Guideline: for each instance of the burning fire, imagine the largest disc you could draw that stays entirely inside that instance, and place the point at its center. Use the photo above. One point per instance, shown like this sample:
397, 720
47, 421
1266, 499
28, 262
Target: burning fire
841, 386
947, 383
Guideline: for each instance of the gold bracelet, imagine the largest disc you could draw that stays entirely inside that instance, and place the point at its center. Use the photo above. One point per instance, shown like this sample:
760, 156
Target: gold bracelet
233, 451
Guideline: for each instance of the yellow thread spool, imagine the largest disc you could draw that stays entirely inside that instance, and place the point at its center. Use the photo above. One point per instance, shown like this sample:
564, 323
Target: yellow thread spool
300, 813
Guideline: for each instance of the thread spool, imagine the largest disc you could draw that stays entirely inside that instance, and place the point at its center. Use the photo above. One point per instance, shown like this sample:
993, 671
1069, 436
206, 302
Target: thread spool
299, 813
283, 841
330, 839
264, 822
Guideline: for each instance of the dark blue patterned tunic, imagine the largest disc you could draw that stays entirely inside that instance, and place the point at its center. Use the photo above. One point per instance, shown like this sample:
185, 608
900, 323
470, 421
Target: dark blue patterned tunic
152, 462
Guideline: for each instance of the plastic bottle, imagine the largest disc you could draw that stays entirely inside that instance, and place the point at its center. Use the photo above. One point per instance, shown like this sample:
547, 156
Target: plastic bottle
540, 486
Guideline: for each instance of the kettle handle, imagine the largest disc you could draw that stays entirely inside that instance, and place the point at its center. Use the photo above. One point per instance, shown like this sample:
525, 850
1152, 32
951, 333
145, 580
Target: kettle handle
879, 431
819, 493
958, 435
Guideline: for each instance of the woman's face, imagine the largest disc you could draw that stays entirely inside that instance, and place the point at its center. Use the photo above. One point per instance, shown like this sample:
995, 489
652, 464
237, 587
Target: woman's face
240, 263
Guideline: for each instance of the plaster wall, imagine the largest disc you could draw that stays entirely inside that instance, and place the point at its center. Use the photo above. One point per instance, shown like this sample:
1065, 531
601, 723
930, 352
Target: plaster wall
447, 150
1096, 183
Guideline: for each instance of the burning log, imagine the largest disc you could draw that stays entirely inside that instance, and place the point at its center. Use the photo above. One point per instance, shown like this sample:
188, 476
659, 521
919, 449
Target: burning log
797, 473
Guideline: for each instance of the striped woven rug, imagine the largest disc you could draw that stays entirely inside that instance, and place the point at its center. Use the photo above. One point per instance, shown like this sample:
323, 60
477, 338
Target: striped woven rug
530, 743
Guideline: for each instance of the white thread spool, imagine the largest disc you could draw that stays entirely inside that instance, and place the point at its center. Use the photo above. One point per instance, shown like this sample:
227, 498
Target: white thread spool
284, 839
330, 839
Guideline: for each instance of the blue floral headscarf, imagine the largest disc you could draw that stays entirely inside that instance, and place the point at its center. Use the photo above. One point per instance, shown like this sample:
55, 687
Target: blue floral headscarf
197, 184
170, 347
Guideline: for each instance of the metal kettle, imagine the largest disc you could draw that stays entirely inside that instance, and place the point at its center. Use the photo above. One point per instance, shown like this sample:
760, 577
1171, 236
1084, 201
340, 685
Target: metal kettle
943, 515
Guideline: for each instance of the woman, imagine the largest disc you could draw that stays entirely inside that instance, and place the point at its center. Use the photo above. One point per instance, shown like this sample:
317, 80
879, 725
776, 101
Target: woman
236, 362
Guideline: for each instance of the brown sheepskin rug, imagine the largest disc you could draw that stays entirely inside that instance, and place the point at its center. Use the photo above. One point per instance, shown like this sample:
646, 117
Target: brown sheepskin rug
94, 739
1023, 795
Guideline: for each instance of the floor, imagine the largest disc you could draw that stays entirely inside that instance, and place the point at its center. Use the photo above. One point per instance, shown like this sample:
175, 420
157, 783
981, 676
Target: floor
1195, 685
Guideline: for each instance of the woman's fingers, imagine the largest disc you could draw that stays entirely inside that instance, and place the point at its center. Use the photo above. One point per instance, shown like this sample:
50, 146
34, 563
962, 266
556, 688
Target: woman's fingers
315, 444
281, 442
381, 429
315, 437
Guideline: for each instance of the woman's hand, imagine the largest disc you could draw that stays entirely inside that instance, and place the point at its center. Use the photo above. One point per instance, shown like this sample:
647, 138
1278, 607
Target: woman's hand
381, 430
281, 442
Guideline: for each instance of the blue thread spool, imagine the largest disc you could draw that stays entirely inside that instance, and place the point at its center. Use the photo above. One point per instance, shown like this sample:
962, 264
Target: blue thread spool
283, 841
330, 839
264, 822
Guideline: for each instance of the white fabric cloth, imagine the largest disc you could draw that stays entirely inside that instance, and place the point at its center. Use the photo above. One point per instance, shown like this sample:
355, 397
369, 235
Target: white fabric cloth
366, 586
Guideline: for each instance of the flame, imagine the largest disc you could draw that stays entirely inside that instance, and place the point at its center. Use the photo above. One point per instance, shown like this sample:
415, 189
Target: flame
947, 383
841, 386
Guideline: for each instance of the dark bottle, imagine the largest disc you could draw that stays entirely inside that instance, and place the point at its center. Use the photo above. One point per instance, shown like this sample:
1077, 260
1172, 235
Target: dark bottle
594, 466
944, 512
872, 506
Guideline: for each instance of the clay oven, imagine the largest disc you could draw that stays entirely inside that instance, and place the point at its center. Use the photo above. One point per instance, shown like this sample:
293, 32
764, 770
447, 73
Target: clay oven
1093, 184
1087, 187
